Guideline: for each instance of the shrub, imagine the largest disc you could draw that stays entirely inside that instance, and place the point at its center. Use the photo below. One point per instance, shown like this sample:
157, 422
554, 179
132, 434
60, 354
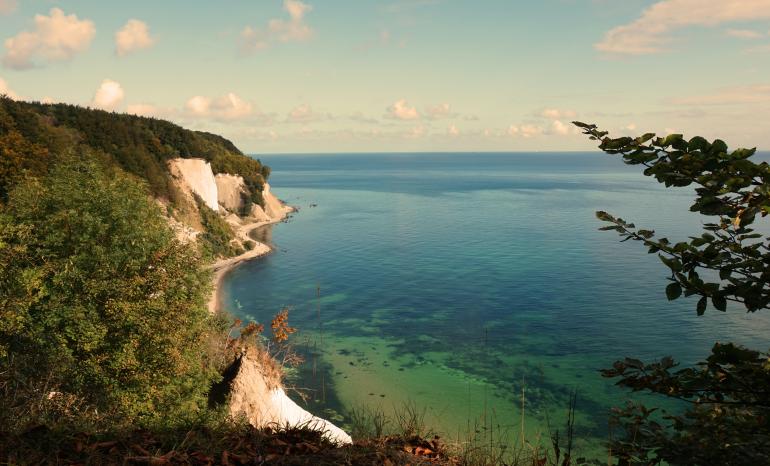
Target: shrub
98, 300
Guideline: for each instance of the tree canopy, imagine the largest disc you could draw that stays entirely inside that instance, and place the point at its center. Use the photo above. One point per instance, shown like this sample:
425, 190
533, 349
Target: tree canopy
139, 145
98, 300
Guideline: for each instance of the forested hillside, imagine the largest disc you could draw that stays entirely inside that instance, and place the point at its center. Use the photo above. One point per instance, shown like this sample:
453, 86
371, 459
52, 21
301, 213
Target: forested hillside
32, 134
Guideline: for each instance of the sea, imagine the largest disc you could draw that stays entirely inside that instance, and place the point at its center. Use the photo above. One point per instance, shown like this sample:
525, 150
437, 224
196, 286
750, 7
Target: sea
475, 289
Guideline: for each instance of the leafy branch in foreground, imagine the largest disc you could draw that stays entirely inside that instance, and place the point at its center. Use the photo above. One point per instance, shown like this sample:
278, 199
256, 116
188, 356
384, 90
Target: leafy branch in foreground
729, 187
728, 419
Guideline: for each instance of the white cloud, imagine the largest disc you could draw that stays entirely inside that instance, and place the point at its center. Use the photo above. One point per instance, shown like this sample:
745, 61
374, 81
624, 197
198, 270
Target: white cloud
149, 110
295, 29
557, 114
435, 112
8, 6
142, 109
305, 114
453, 131
400, 110
744, 33
109, 95
561, 128
57, 37
6, 90
301, 113
529, 131
135, 35
227, 107
650, 33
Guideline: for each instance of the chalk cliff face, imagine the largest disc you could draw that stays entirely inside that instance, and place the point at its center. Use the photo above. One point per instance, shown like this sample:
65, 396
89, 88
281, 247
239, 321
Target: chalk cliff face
196, 175
230, 190
224, 190
263, 403
273, 207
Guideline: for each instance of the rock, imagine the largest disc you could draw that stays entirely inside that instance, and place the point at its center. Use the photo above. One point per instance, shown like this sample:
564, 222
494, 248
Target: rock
273, 207
230, 190
258, 213
196, 175
255, 392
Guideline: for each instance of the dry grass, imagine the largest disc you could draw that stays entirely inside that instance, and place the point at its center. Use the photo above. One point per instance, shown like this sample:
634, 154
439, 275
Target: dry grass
233, 444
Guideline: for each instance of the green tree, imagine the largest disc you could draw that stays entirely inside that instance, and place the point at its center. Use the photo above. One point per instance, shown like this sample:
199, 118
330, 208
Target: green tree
17, 157
728, 418
98, 300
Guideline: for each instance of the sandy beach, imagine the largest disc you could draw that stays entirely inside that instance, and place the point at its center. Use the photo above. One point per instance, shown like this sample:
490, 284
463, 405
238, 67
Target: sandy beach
223, 266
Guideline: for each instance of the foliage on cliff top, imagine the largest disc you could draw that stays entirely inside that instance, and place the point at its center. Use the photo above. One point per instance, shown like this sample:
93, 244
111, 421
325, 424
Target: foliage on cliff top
102, 310
139, 145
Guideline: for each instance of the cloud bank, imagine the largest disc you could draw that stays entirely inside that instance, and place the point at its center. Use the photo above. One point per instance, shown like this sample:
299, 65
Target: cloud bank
134, 36
54, 38
651, 32
295, 29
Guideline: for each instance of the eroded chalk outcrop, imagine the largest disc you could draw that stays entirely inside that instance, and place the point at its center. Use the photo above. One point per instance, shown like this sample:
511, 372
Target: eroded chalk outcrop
224, 191
231, 191
251, 388
274, 208
196, 175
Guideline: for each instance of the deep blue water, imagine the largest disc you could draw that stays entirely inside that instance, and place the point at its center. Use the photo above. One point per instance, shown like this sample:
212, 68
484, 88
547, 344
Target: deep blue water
459, 280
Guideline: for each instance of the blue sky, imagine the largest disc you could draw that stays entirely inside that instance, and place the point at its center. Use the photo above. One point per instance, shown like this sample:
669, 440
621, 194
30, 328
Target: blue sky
403, 75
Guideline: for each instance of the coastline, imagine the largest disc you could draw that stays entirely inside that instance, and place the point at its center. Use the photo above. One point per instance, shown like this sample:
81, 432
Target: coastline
223, 266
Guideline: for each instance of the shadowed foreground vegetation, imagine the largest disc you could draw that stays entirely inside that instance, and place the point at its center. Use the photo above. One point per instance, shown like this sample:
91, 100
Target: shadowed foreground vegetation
223, 444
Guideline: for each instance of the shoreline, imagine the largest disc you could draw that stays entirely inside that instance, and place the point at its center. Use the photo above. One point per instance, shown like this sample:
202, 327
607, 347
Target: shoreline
223, 266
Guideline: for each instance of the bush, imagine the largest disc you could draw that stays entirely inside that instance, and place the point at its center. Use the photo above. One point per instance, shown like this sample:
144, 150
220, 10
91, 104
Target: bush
217, 234
99, 303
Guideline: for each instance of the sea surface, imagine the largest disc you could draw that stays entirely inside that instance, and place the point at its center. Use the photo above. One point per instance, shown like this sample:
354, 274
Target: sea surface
475, 287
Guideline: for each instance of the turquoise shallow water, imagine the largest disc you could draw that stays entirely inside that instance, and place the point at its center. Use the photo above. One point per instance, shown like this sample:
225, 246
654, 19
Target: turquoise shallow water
459, 281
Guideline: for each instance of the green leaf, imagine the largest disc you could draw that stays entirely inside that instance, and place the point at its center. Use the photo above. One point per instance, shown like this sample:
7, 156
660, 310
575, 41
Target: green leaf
673, 291
719, 302
701, 308
604, 216
671, 139
718, 146
644, 138
672, 263
697, 143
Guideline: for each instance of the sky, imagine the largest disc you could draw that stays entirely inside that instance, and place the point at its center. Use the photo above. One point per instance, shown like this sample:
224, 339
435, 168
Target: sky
305, 76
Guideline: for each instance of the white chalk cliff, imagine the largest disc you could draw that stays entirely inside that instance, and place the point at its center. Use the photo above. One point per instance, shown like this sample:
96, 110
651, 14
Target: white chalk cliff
273, 207
224, 190
230, 190
251, 393
264, 404
196, 174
